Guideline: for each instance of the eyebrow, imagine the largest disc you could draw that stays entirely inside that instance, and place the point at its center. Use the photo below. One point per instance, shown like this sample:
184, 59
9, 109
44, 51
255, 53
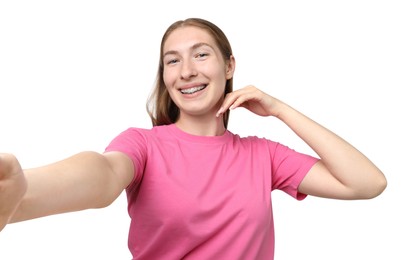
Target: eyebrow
195, 46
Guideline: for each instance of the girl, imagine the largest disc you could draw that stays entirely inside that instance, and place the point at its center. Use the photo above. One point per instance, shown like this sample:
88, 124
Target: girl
195, 190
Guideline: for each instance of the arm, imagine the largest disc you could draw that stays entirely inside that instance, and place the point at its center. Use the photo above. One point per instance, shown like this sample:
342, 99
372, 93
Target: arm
85, 180
342, 173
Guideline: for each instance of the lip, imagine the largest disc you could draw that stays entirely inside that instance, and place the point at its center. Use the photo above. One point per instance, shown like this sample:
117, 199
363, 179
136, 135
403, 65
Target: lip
194, 94
192, 85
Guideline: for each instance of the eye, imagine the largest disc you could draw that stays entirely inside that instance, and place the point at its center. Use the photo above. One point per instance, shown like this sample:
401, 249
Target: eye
171, 61
201, 55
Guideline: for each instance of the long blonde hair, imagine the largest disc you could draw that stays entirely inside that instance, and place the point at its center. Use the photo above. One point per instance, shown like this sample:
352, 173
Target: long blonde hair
160, 107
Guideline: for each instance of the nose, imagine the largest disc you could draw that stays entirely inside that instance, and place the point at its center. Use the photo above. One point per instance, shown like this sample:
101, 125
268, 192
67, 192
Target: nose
188, 69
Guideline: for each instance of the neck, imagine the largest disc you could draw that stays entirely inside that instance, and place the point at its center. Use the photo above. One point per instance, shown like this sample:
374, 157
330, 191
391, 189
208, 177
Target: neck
208, 125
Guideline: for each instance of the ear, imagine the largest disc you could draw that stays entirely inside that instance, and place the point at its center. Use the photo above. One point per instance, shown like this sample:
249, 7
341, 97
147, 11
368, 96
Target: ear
230, 67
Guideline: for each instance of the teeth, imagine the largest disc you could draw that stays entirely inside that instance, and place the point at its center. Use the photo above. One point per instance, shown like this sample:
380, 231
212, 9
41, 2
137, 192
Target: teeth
192, 90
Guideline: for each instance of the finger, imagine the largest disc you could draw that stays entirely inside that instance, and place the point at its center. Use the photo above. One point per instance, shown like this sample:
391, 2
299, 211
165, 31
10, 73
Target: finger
236, 99
227, 102
241, 100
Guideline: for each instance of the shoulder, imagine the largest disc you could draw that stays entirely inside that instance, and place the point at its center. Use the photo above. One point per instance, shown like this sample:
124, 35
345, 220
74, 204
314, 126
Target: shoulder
133, 137
252, 140
262, 145
146, 133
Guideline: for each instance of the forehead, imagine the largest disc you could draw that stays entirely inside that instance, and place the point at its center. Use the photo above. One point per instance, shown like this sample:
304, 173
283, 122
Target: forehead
186, 37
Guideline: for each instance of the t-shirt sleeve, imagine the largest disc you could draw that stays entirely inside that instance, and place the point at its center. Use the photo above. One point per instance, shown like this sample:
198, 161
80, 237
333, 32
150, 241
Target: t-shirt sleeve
131, 142
289, 168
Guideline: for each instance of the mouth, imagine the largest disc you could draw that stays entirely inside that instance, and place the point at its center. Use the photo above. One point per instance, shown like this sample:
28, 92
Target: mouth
193, 89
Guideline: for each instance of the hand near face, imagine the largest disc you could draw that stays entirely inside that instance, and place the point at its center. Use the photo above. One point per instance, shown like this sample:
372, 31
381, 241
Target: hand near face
252, 99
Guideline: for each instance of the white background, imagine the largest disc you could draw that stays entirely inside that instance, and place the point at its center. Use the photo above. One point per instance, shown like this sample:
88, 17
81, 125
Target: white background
73, 74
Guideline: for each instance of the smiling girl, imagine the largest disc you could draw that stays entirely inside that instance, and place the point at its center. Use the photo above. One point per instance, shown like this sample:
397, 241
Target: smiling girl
195, 190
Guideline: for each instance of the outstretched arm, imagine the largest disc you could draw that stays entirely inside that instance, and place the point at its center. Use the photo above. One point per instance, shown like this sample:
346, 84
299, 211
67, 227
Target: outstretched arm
342, 173
85, 180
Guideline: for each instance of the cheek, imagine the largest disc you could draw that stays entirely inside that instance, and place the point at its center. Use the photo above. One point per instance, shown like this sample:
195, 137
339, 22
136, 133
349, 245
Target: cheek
168, 77
165, 77
169, 83
221, 80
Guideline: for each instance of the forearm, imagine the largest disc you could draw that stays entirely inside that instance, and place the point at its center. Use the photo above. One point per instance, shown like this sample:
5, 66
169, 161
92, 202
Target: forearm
80, 182
348, 165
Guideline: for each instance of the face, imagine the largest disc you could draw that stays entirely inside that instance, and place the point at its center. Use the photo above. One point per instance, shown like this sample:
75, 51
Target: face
195, 71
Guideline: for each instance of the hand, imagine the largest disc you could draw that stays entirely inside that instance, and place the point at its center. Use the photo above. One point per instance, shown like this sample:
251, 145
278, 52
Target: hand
250, 98
13, 186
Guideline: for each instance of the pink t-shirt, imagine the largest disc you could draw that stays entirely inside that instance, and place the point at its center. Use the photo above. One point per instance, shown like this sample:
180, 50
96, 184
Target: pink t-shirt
201, 197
